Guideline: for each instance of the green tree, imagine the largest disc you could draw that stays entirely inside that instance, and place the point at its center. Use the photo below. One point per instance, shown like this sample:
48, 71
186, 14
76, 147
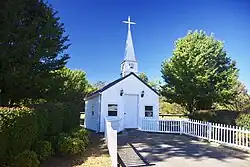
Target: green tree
99, 84
73, 86
199, 73
143, 77
241, 101
170, 108
32, 46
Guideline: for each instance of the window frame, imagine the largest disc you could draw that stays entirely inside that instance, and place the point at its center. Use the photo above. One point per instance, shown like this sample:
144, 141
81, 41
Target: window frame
115, 110
147, 111
92, 109
131, 65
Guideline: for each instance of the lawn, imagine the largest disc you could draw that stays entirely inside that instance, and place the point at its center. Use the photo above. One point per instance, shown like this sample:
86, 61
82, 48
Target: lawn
95, 156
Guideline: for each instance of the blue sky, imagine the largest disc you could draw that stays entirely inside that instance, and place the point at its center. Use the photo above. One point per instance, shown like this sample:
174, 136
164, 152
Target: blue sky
98, 36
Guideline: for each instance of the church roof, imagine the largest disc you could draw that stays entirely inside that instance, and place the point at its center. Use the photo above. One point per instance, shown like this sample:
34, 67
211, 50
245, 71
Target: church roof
117, 81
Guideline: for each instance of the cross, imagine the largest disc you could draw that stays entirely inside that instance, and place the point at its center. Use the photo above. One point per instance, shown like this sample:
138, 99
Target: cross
128, 22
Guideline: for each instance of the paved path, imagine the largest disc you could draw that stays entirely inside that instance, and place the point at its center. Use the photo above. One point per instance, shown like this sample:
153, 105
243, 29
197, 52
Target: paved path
137, 148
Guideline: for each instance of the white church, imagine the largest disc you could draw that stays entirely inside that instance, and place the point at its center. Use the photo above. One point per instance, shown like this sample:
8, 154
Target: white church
126, 100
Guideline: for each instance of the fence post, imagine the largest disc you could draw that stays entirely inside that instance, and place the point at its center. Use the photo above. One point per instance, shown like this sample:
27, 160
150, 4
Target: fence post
181, 127
209, 131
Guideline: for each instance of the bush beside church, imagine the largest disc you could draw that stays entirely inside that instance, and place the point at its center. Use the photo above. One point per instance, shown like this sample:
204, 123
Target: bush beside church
32, 134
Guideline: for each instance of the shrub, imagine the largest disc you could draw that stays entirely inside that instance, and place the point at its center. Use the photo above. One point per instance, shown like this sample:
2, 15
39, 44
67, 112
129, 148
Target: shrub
77, 146
42, 121
22, 127
217, 116
43, 150
71, 116
243, 120
19, 128
82, 134
26, 159
69, 145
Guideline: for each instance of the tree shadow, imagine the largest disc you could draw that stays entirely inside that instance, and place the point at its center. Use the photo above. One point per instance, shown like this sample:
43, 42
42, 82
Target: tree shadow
158, 147
96, 148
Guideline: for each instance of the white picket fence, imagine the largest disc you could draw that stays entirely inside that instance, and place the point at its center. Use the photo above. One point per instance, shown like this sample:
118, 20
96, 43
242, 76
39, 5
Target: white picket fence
111, 140
116, 123
224, 134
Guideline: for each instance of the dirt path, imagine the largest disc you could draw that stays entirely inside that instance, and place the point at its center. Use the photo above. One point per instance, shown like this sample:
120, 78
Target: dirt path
95, 156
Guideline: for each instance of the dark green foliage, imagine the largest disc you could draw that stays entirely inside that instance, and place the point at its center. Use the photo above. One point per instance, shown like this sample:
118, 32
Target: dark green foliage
218, 116
32, 46
25, 159
71, 145
43, 149
72, 115
170, 108
19, 128
199, 73
23, 128
75, 143
55, 113
42, 116
82, 134
243, 120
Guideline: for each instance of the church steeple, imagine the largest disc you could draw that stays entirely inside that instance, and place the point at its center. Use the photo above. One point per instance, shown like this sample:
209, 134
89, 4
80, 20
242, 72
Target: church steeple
129, 63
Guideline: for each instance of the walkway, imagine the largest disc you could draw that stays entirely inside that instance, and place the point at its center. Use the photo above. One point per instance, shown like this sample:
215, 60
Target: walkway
137, 148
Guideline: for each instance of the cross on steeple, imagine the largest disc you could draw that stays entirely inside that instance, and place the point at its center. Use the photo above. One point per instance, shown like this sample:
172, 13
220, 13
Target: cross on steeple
129, 63
128, 22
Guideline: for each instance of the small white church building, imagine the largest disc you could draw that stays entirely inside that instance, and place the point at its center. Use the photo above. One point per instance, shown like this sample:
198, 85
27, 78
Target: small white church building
124, 101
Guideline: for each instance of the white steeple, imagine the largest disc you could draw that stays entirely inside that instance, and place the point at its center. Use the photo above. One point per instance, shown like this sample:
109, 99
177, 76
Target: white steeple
129, 63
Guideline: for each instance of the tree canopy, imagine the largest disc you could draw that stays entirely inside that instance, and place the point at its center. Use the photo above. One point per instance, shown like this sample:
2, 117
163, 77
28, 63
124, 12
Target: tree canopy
99, 84
241, 101
74, 87
199, 73
143, 77
32, 45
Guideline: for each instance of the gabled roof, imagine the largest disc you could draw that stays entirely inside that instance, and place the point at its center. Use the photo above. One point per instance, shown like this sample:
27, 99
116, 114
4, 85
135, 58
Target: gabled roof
117, 81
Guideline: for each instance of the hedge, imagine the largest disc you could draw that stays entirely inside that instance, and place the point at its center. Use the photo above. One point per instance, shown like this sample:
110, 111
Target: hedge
18, 131
217, 116
25, 159
21, 128
243, 120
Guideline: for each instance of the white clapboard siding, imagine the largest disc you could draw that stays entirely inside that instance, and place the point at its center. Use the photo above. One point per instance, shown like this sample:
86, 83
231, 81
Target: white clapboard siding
111, 141
224, 134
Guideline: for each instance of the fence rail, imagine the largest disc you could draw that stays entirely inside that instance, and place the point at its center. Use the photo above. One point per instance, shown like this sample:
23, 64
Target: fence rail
224, 134
111, 140
116, 123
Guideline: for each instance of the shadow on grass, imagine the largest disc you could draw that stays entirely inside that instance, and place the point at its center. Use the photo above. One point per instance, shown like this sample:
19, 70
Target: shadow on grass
95, 149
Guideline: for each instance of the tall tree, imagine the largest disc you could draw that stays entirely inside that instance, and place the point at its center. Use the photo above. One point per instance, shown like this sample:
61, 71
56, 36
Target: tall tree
241, 101
99, 84
73, 86
199, 73
143, 77
32, 45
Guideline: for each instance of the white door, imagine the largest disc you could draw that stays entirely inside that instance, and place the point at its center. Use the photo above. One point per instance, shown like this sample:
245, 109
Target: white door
130, 111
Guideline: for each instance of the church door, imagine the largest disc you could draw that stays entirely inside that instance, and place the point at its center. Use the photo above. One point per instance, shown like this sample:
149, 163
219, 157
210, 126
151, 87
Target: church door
130, 111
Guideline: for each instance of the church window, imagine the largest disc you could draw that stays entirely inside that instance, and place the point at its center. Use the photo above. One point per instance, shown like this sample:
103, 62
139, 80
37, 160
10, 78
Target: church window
148, 111
93, 110
112, 109
131, 65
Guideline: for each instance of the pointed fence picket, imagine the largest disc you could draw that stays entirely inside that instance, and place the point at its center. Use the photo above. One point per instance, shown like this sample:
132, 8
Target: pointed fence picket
224, 134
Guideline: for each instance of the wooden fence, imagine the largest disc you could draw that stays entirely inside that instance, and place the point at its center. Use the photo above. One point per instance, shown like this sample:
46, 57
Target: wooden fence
224, 134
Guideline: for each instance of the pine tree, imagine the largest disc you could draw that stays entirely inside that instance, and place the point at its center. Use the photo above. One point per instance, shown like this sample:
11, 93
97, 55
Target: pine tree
32, 46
